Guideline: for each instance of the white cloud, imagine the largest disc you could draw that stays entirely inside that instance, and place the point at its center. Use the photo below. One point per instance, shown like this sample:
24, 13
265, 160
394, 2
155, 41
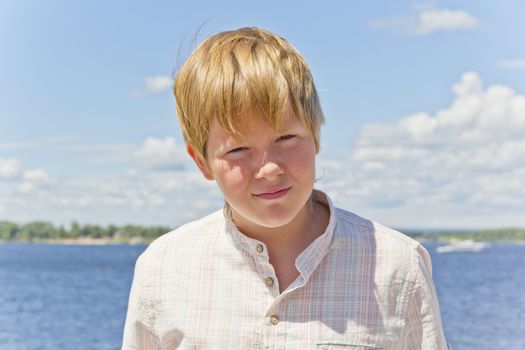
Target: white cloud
33, 179
444, 20
153, 85
35, 175
159, 198
158, 83
464, 165
9, 168
26, 187
518, 63
20, 180
51, 141
425, 20
153, 153
161, 154
65, 144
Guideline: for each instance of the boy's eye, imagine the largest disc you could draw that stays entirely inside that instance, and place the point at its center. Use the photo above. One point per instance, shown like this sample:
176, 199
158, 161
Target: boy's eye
237, 150
286, 137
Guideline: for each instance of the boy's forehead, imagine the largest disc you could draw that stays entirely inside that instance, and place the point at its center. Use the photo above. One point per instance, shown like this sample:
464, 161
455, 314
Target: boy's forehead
241, 128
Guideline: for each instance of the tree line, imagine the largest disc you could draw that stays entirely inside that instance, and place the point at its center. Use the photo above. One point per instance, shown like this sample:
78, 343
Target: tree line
43, 231
46, 231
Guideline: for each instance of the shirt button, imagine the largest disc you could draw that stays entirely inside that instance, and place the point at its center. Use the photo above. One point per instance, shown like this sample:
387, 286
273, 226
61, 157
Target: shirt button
259, 248
274, 319
269, 282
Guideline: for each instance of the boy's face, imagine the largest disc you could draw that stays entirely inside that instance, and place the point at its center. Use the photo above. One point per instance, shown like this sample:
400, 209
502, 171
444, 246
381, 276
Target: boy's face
265, 176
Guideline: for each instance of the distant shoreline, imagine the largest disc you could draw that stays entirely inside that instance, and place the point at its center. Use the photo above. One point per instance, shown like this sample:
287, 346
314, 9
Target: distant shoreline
137, 241
46, 233
80, 241
455, 240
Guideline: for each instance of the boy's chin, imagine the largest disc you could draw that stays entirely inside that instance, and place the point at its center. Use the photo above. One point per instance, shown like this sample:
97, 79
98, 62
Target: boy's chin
269, 220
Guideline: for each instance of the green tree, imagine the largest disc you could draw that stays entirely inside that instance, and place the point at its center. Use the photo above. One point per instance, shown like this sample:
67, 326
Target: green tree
8, 230
38, 230
74, 231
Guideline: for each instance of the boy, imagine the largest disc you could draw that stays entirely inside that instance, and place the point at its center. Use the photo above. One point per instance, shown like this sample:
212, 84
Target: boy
279, 267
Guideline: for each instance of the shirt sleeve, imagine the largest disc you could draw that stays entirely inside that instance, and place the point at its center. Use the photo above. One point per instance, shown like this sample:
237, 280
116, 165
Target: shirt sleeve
424, 329
140, 318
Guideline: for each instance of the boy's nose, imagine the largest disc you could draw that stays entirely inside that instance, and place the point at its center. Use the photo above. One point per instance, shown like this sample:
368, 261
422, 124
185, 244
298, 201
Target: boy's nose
269, 168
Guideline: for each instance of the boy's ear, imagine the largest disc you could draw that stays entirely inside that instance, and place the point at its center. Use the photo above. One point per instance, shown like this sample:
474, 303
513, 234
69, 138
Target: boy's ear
202, 167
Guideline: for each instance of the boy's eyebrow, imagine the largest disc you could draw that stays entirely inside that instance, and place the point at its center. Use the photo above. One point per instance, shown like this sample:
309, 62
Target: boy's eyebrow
239, 137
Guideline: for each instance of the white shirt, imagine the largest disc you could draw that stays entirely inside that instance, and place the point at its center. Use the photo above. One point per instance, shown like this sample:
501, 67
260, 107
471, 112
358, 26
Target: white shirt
206, 285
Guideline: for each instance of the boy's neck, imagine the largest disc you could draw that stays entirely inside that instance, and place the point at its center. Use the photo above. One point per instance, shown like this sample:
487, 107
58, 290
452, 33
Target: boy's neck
295, 236
286, 243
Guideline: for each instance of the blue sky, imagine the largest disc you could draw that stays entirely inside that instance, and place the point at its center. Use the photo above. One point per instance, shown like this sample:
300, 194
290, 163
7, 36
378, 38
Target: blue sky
424, 104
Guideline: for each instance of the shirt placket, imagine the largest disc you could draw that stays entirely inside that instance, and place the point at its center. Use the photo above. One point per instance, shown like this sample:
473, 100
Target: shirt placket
273, 329
276, 316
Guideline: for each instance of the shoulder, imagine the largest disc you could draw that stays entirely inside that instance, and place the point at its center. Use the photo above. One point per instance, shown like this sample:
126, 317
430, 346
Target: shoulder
185, 239
355, 227
391, 256
366, 237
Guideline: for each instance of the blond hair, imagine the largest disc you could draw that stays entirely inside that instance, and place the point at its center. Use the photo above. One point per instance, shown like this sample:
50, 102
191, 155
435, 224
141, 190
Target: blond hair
235, 75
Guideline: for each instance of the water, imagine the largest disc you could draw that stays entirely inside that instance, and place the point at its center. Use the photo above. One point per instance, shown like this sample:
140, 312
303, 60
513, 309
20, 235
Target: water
64, 297
482, 297
74, 297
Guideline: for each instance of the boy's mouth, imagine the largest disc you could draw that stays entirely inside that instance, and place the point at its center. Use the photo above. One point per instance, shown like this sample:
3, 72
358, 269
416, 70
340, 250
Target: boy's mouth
273, 193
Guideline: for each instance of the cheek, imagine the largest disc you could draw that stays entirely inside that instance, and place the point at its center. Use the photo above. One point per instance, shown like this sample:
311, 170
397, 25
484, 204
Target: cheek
229, 175
301, 157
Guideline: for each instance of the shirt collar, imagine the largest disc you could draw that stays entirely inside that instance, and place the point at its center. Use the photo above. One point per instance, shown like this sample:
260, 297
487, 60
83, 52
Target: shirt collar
309, 259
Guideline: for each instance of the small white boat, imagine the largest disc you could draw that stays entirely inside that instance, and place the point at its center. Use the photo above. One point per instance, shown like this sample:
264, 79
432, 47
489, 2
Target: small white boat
463, 246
